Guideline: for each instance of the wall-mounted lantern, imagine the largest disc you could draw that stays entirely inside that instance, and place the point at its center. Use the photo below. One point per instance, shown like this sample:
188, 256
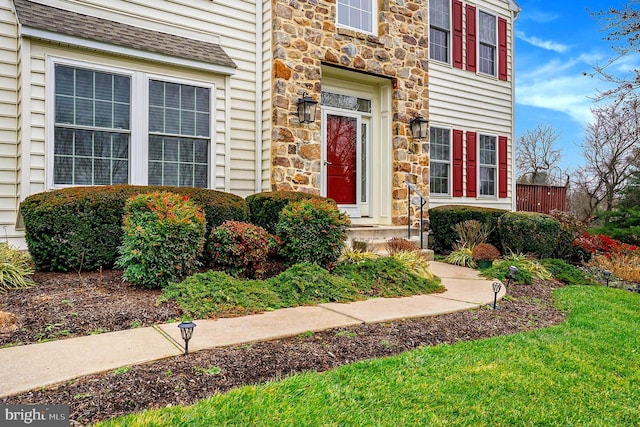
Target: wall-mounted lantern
307, 109
419, 127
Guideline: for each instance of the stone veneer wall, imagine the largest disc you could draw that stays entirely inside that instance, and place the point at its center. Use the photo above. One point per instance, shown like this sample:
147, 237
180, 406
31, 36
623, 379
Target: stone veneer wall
305, 37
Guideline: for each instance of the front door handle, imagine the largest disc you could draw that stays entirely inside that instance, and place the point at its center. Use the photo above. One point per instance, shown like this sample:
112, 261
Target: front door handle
326, 163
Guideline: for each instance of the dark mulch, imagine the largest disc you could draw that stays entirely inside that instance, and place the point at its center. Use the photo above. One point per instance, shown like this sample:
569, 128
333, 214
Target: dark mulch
64, 305
182, 380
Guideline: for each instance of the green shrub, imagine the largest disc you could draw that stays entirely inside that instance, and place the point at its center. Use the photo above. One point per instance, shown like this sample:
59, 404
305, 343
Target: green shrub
239, 248
163, 236
566, 272
312, 230
529, 232
462, 256
80, 228
621, 224
386, 277
308, 283
443, 220
265, 207
415, 262
472, 232
528, 269
215, 293
15, 268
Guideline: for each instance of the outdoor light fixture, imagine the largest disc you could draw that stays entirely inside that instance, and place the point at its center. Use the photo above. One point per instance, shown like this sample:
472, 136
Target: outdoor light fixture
419, 127
511, 274
496, 288
186, 330
307, 109
607, 275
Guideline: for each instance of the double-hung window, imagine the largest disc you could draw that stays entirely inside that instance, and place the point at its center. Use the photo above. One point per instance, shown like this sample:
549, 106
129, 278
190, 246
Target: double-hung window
439, 29
440, 161
126, 127
488, 165
92, 127
357, 14
488, 43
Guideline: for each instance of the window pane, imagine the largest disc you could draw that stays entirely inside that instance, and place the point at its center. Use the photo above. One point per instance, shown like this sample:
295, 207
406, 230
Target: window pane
103, 172
64, 109
120, 171
487, 28
203, 125
487, 59
83, 143
201, 151
104, 86
156, 119
202, 99
84, 83
65, 78
155, 173
82, 171
170, 174
439, 13
63, 170
201, 178
84, 112
156, 93
356, 13
439, 45
102, 144
187, 97
439, 178
63, 141
104, 114
172, 95
487, 181
172, 121
188, 123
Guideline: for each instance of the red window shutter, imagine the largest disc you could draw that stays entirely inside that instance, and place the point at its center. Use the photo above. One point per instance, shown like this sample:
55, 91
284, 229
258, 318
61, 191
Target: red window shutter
502, 49
471, 38
471, 164
457, 33
502, 166
457, 163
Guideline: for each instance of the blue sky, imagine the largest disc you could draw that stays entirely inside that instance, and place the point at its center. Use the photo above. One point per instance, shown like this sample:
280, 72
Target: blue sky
556, 41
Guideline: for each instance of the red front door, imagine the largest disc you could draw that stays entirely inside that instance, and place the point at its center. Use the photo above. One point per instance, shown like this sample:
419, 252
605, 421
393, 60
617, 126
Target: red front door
342, 139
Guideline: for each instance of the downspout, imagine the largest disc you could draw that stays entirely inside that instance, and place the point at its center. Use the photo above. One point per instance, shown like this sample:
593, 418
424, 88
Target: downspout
259, 90
515, 9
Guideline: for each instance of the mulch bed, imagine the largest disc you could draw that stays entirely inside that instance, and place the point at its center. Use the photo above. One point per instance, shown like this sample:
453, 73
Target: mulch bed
182, 380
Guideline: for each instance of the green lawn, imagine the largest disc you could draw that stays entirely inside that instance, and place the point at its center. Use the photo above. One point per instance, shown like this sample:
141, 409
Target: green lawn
584, 372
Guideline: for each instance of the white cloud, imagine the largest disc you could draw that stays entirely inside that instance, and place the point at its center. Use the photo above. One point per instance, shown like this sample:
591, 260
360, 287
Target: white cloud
538, 16
560, 86
544, 44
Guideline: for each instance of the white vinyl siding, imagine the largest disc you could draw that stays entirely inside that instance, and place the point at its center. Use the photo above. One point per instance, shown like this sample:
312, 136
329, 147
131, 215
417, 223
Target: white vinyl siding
472, 102
9, 161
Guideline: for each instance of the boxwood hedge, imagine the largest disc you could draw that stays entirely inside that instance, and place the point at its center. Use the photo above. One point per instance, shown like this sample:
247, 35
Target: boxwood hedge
265, 207
80, 228
444, 218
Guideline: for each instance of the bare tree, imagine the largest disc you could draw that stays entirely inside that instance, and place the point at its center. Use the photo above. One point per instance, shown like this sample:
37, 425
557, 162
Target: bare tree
622, 26
610, 150
537, 157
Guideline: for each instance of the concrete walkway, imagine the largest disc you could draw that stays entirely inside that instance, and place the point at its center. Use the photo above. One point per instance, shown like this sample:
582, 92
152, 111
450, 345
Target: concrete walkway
32, 366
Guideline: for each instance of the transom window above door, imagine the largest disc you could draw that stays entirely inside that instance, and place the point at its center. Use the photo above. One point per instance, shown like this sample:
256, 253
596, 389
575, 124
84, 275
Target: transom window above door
124, 127
358, 14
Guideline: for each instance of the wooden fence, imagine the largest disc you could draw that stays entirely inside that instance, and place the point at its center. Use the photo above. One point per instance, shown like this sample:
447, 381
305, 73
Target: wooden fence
540, 198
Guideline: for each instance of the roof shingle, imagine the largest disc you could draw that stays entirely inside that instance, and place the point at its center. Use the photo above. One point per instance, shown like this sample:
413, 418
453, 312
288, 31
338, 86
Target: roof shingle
42, 17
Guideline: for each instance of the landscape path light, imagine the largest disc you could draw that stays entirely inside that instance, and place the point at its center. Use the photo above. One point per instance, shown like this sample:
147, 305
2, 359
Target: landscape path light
496, 288
186, 330
511, 274
607, 276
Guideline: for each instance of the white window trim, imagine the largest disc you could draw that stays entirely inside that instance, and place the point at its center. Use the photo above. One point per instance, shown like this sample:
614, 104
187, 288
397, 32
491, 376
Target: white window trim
139, 118
478, 43
449, 40
449, 193
374, 20
479, 166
